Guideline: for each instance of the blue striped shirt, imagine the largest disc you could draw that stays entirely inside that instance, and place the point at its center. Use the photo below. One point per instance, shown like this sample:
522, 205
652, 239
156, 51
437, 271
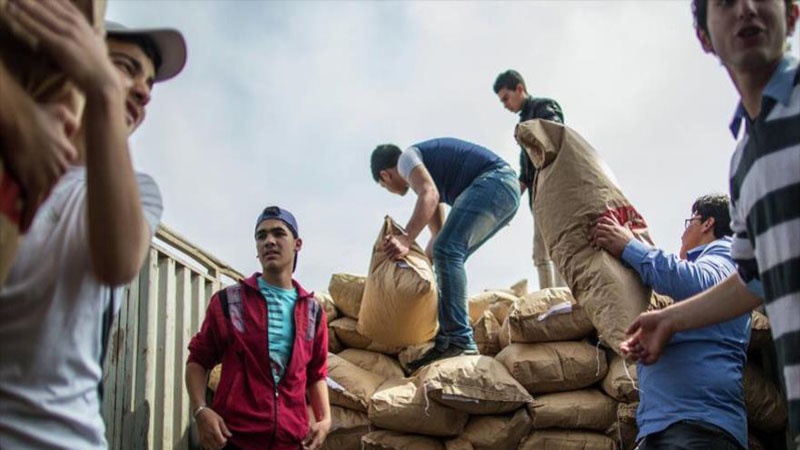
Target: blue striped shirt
765, 216
280, 325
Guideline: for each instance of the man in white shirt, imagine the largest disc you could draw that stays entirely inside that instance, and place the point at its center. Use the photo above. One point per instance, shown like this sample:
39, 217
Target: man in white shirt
90, 236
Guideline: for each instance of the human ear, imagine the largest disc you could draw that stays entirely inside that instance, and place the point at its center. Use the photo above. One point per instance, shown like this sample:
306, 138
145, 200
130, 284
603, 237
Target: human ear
705, 40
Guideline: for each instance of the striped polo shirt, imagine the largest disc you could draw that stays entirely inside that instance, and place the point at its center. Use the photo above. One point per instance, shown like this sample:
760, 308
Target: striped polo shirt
280, 325
765, 215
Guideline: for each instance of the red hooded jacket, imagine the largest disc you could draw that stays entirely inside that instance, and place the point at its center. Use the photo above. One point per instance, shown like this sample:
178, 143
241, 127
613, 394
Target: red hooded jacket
259, 414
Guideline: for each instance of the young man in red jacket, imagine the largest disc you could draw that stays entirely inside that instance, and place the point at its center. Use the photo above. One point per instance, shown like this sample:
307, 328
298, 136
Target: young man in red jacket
271, 337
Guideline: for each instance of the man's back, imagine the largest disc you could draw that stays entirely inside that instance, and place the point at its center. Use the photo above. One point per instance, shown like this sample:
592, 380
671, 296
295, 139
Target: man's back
454, 164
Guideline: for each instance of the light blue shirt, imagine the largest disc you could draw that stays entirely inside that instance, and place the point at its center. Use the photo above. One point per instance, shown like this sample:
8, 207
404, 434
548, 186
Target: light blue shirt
280, 325
699, 375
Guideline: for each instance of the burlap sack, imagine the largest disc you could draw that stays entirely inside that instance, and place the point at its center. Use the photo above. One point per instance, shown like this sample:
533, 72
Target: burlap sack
486, 332
350, 386
505, 333
347, 429
413, 352
619, 384
347, 290
520, 288
213, 377
554, 366
37, 74
401, 405
391, 440
399, 307
481, 302
566, 440
334, 346
534, 318
624, 430
473, 384
760, 331
325, 299
458, 443
586, 409
347, 333
574, 187
497, 432
375, 362
500, 311
766, 405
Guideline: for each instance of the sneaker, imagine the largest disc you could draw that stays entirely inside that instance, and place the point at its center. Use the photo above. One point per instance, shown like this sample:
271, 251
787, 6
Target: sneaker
435, 354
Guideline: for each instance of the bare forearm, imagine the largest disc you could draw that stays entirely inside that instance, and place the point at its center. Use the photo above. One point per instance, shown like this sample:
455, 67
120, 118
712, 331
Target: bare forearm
118, 232
195, 378
437, 220
318, 395
424, 210
721, 303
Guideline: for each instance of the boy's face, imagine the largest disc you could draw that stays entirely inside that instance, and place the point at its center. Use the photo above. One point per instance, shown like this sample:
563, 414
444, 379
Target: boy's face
512, 99
747, 35
392, 182
138, 72
276, 246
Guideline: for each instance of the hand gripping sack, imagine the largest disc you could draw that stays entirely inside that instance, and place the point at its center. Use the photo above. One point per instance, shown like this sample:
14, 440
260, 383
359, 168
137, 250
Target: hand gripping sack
399, 307
38, 76
573, 188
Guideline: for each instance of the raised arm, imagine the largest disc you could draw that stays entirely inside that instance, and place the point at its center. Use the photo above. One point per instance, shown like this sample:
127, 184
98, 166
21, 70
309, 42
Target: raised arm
118, 232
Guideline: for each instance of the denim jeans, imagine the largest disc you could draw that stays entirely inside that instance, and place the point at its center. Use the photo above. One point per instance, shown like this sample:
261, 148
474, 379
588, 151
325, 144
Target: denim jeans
478, 213
690, 435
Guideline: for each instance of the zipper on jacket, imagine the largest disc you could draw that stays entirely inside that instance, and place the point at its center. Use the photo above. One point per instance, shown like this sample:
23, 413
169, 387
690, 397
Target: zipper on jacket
274, 383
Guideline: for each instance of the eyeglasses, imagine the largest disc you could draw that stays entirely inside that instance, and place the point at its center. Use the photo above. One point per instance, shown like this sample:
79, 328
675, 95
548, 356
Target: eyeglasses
689, 221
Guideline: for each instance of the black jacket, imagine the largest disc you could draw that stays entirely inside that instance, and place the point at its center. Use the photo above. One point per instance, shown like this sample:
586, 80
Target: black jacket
536, 108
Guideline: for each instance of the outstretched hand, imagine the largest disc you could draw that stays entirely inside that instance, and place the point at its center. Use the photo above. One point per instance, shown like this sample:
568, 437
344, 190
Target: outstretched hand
609, 234
650, 333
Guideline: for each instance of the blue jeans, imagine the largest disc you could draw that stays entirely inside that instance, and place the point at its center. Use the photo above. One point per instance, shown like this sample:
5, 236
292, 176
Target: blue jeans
478, 213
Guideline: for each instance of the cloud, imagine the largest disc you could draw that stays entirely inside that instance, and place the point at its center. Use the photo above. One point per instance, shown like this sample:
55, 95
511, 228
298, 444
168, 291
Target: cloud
282, 102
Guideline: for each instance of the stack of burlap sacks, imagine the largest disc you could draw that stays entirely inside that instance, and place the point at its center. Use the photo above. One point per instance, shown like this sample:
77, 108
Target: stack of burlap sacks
545, 379
542, 382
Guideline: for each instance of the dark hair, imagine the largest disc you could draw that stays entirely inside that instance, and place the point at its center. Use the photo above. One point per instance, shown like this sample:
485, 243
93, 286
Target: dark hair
718, 207
700, 13
384, 157
509, 80
147, 45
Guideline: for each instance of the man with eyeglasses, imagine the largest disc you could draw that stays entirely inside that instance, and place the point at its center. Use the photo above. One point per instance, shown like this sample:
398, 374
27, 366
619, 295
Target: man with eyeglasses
693, 397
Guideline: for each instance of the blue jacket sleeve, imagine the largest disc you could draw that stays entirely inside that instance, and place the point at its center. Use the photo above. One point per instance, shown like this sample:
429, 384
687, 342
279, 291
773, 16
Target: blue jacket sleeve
680, 279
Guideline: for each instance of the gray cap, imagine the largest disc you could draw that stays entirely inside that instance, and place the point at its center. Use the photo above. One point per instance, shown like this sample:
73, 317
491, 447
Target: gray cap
169, 43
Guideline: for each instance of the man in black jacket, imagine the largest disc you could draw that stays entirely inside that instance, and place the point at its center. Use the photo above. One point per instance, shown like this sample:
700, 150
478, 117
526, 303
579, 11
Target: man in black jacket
510, 89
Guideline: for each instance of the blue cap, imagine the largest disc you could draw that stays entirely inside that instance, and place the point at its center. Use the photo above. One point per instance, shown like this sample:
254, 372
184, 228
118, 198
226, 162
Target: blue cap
275, 212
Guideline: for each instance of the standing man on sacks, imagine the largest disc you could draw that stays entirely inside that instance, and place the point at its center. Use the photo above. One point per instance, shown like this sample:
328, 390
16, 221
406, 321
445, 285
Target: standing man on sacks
90, 236
693, 398
749, 38
271, 337
510, 89
483, 193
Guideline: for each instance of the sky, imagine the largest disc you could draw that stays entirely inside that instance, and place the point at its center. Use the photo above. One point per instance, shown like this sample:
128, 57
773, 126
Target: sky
283, 102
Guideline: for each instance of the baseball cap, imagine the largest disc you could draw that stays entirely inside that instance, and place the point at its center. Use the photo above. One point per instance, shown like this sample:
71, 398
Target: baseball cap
169, 43
275, 212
